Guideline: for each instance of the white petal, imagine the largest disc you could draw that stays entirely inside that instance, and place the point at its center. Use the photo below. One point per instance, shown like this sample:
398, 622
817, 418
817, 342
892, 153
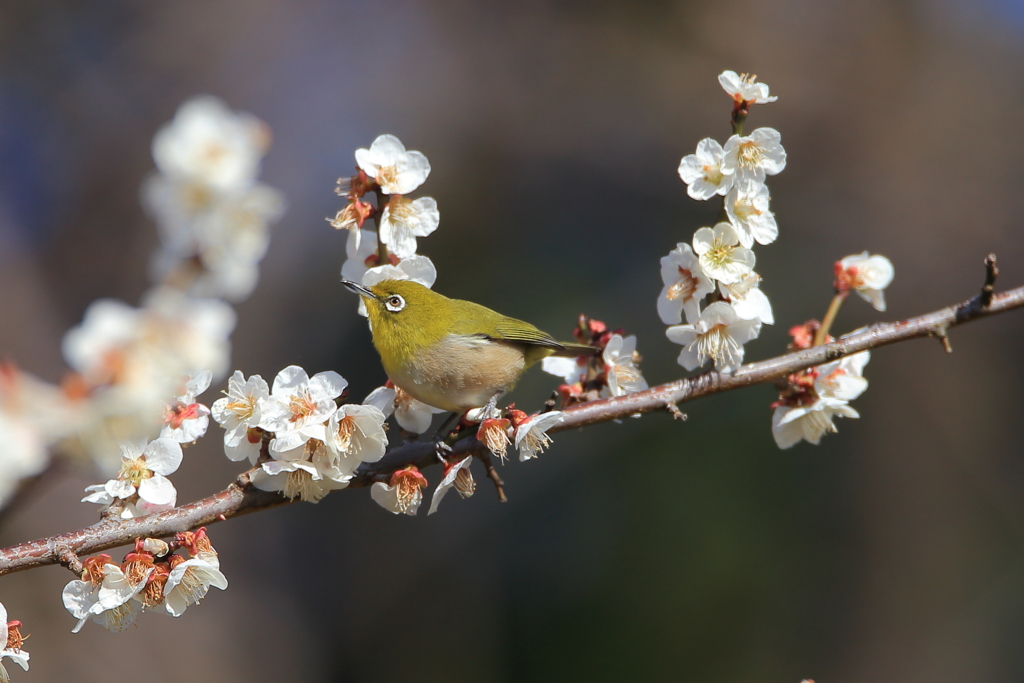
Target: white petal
163, 456
158, 490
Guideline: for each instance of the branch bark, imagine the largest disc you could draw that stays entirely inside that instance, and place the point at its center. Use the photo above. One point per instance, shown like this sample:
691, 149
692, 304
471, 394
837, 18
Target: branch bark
240, 497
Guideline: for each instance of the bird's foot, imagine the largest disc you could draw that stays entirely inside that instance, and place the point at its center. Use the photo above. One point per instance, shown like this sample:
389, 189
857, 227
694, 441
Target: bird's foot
442, 450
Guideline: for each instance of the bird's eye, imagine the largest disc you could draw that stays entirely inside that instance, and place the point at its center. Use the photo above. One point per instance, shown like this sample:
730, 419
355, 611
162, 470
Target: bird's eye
394, 303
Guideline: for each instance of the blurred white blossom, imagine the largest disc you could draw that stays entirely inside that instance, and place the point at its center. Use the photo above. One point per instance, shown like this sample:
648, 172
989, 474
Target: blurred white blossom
208, 143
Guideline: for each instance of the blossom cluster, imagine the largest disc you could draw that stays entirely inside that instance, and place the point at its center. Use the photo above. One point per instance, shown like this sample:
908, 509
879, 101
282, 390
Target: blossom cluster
153, 577
126, 361
390, 171
612, 371
314, 444
213, 214
811, 399
712, 282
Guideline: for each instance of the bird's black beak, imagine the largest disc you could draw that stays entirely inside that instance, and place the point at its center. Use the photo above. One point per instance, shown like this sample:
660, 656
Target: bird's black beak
359, 289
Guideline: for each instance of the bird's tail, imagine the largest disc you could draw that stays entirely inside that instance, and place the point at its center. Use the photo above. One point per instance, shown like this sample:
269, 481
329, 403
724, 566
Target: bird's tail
570, 350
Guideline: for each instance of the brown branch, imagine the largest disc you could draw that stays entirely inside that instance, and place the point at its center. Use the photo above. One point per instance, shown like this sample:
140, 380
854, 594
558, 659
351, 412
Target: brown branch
240, 498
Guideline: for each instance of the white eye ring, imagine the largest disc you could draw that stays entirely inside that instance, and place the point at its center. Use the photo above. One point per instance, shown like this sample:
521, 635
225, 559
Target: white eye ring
394, 303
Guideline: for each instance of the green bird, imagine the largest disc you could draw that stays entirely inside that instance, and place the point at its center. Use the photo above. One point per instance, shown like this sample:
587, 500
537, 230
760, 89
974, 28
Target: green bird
452, 354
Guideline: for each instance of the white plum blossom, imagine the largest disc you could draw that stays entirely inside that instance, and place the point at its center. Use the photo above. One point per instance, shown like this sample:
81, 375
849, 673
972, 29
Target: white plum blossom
417, 268
361, 254
720, 254
403, 494
104, 594
412, 415
406, 219
239, 414
185, 420
747, 208
790, 424
189, 581
307, 471
395, 170
747, 299
619, 358
868, 276
719, 335
209, 144
686, 284
450, 480
532, 434
745, 88
142, 481
844, 378
749, 158
355, 434
569, 369
702, 172
298, 406
10, 644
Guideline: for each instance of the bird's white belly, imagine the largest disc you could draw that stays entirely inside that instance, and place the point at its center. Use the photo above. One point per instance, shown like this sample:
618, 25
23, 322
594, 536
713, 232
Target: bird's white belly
459, 373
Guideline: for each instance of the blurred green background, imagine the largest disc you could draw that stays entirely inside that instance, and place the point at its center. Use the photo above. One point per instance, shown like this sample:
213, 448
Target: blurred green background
644, 551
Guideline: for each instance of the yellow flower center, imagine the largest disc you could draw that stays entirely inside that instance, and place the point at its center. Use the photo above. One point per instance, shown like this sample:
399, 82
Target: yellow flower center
751, 155
134, 470
301, 405
718, 344
346, 430
713, 173
683, 288
387, 176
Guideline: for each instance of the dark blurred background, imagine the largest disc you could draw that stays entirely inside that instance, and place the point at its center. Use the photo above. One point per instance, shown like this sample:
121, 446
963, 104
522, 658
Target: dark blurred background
649, 550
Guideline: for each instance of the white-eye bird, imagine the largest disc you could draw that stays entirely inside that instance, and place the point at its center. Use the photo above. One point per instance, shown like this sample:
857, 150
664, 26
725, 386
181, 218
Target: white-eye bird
451, 354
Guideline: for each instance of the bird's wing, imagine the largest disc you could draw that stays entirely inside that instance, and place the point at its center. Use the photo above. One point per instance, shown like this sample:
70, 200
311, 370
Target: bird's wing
513, 330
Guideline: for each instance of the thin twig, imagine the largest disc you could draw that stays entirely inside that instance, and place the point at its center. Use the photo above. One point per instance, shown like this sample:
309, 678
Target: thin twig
240, 498
499, 486
991, 273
